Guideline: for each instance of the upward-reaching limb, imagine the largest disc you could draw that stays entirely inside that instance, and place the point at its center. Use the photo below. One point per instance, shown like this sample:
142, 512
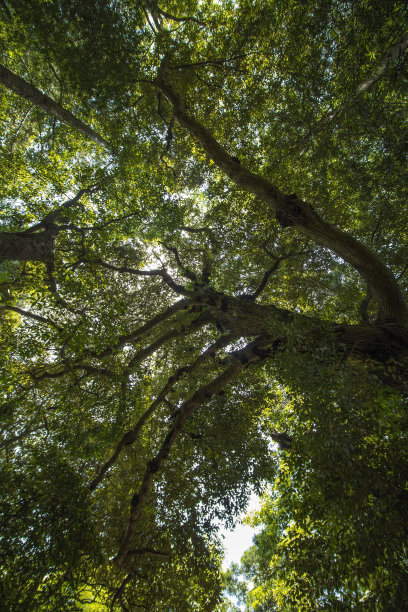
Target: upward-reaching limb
35, 96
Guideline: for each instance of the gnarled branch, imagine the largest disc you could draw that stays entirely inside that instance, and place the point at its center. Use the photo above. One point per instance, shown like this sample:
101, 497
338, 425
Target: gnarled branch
185, 271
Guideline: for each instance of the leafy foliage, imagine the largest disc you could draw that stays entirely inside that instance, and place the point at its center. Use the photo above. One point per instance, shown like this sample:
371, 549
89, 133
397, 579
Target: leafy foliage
172, 311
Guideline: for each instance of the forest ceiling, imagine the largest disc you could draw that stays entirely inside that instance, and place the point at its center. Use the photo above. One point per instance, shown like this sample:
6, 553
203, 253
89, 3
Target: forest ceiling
203, 277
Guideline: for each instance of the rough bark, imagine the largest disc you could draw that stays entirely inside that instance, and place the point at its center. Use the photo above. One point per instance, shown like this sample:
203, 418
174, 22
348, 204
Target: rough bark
27, 247
242, 316
291, 211
37, 97
303, 335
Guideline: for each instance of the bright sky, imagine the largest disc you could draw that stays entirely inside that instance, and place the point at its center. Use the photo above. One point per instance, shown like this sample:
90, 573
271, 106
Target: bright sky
236, 542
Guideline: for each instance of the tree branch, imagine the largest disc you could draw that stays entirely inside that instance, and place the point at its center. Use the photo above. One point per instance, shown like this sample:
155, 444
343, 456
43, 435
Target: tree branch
52, 285
253, 352
131, 436
50, 219
364, 306
163, 273
32, 315
185, 271
38, 98
20, 125
264, 280
92, 228
60, 369
198, 230
18, 437
150, 552
282, 439
179, 19
272, 269
139, 332
291, 211
31, 245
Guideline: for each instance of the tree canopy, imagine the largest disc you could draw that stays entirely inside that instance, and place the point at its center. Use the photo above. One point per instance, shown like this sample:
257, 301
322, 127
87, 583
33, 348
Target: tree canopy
203, 278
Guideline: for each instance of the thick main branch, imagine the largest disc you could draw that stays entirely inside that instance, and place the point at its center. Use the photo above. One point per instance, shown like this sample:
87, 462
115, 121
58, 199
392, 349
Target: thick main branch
302, 334
294, 212
19, 246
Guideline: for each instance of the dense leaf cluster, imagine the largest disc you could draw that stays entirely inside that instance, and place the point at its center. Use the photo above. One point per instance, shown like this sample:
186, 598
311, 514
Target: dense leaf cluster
207, 303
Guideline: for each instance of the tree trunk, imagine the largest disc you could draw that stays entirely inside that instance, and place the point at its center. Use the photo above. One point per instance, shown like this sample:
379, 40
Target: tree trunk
27, 247
37, 97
